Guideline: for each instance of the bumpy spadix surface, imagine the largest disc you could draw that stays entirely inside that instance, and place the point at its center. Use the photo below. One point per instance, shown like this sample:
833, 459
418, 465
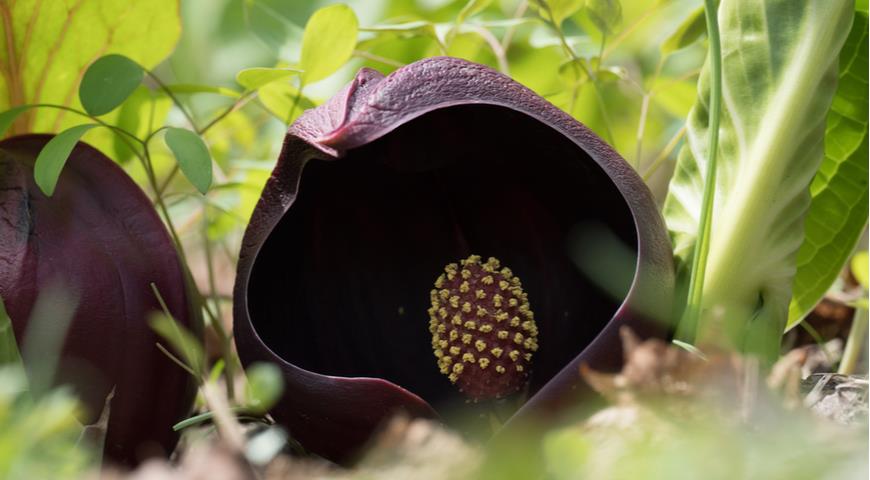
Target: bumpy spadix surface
483, 329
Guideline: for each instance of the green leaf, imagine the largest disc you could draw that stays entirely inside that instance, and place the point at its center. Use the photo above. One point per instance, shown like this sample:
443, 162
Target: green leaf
45, 51
9, 353
860, 268
54, 155
192, 155
472, 8
776, 92
181, 340
328, 42
254, 78
265, 385
144, 108
108, 82
605, 14
407, 30
558, 10
674, 95
284, 101
687, 33
838, 212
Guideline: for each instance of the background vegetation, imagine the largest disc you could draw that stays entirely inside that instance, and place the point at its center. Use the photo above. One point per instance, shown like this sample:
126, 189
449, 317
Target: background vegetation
222, 80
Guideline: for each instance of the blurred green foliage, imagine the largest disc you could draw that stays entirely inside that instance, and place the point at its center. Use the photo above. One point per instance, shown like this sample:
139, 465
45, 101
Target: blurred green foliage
39, 438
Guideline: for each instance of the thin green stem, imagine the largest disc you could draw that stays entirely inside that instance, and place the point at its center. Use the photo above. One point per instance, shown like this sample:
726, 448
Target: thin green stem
226, 341
854, 343
644, 112
120, 131
692, 314
575, 61
239, 103
295, 104
174, 99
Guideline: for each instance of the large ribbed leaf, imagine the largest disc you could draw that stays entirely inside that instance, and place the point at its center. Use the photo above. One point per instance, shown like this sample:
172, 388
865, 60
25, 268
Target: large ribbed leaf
779, 67
839, 208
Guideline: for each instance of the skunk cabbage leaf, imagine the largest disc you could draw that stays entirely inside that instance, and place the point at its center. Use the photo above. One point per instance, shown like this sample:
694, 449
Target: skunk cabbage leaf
779, 67
838, 213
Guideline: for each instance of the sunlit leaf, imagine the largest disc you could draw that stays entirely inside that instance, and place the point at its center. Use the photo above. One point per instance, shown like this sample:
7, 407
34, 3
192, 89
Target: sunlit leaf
254, 78
328, 42
54, 155
838, 212
689, 31
675, 96
108, 82
46, 49
605, 14
557, 10
192, 155
284, 101
776, 94
143, 111
860, 267
472, 8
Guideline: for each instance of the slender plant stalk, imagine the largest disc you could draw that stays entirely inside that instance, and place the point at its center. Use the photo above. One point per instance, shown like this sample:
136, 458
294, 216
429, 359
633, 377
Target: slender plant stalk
575, 62
692, 313
855, 342
226, 340
664, 154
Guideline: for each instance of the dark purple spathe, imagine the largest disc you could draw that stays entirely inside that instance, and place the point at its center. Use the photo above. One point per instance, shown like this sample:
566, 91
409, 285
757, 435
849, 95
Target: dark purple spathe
439, 160
100, 239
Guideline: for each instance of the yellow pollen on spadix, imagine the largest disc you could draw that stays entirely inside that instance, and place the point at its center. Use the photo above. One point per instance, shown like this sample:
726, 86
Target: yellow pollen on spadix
483, 329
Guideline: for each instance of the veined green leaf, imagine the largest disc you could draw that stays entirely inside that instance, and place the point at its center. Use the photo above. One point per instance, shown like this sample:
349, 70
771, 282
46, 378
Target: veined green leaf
144, 111
284, 101
328, 42
254, 78
779, 71
686, 33
838, 212
46, 47
54, 155
192, 155
108, 82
